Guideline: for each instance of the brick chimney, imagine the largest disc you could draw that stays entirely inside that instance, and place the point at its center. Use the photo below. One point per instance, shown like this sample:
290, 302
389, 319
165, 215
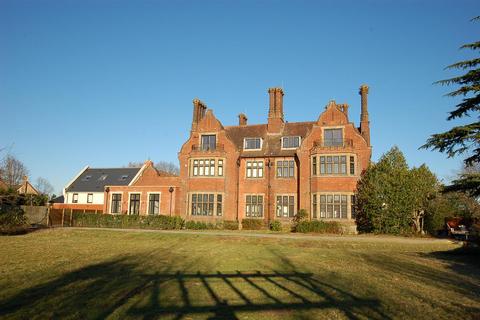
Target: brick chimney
199, 110
364, 122
242, 119
275, 112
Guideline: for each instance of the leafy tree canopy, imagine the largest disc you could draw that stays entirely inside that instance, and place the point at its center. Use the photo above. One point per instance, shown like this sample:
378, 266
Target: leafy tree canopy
391, 198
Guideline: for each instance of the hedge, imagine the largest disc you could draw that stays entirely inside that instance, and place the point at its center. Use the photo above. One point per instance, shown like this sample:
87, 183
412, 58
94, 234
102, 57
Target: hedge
222, 225
318, 227
126, 221
230, 225
253, 224
199, 225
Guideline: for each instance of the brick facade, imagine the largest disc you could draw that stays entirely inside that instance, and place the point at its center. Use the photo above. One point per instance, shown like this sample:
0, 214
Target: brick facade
264, 171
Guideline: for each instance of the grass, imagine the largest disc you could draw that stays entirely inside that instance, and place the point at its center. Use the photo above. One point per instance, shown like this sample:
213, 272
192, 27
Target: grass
96, 274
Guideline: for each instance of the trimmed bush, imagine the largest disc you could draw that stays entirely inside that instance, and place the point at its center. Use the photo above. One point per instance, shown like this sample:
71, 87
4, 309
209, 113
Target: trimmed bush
316, 226
276, 225
199, 225
230, 225
253, 224
126, 221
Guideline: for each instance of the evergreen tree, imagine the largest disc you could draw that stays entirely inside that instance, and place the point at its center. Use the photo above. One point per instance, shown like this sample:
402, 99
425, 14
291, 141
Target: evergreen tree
391, 198
463, 138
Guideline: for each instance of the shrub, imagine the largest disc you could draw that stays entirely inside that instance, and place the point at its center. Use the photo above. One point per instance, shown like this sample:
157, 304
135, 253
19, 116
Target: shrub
253, 224
316, 226
162, 222
12, 217
301, 215
199, 225
230, 225
276, 225
12, 220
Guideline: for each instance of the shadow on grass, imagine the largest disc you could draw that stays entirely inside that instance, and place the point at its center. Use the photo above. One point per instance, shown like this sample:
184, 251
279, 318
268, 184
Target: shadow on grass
461, 259
125, 288
464, 280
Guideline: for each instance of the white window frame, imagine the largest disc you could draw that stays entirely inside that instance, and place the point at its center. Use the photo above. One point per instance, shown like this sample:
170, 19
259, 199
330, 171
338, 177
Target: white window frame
294, 204
245, 144
263, 205
139, 205
255, 169
204, 166
293, 148
111, 202
288, 169
90, 197
215, 203
333, 194
148, 202
75, 199
337, 175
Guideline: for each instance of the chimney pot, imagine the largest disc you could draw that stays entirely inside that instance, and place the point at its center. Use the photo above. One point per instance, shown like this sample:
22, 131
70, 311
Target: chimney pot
242, 119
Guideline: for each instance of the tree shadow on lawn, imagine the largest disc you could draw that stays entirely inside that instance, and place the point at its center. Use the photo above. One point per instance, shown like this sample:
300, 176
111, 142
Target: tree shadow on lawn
462, 283
125, 288
463, 260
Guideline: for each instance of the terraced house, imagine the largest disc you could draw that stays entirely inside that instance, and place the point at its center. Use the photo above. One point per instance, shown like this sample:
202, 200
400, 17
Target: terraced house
263, 171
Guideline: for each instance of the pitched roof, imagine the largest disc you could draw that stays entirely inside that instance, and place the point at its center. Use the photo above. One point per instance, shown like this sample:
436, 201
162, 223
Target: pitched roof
95, 179
59, 199
271, 142
26, 188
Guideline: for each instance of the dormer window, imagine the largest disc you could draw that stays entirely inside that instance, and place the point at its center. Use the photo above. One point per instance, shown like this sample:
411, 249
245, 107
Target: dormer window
86, 178
102, 177
124, 177
252, 144
291, 142
209, 142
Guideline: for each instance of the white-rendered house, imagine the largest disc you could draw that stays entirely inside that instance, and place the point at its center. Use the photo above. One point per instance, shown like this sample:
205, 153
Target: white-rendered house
88, 186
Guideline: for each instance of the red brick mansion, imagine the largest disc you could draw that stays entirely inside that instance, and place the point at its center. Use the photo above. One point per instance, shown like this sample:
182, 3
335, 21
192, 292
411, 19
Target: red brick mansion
264, 171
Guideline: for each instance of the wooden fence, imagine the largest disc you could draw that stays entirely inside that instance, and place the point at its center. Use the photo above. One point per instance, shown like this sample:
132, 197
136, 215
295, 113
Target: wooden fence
63, 217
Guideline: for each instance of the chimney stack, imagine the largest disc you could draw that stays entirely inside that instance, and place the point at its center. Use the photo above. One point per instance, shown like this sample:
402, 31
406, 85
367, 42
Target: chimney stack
275, 112
364, 121
199, 110
242, 119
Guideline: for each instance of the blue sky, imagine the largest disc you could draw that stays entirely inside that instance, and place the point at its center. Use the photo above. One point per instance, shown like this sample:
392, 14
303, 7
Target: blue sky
102, 83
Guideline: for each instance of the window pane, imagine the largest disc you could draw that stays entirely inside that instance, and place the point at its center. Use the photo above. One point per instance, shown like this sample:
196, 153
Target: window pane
333, 137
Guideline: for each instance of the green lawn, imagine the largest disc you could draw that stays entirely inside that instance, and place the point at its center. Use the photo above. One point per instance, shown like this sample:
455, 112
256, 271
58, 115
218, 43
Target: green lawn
96, 274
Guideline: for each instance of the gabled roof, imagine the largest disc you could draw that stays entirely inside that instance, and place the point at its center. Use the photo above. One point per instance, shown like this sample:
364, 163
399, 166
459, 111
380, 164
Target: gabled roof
271, 142
95, 179
26, 188
60, 199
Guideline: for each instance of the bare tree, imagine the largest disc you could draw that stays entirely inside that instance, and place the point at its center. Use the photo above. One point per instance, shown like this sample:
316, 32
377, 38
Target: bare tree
134, 164
12, 171
168, 167
164, 166
43, 186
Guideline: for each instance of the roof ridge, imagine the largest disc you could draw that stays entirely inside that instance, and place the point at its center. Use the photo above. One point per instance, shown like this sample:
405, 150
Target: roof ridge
247, 125
114, 168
